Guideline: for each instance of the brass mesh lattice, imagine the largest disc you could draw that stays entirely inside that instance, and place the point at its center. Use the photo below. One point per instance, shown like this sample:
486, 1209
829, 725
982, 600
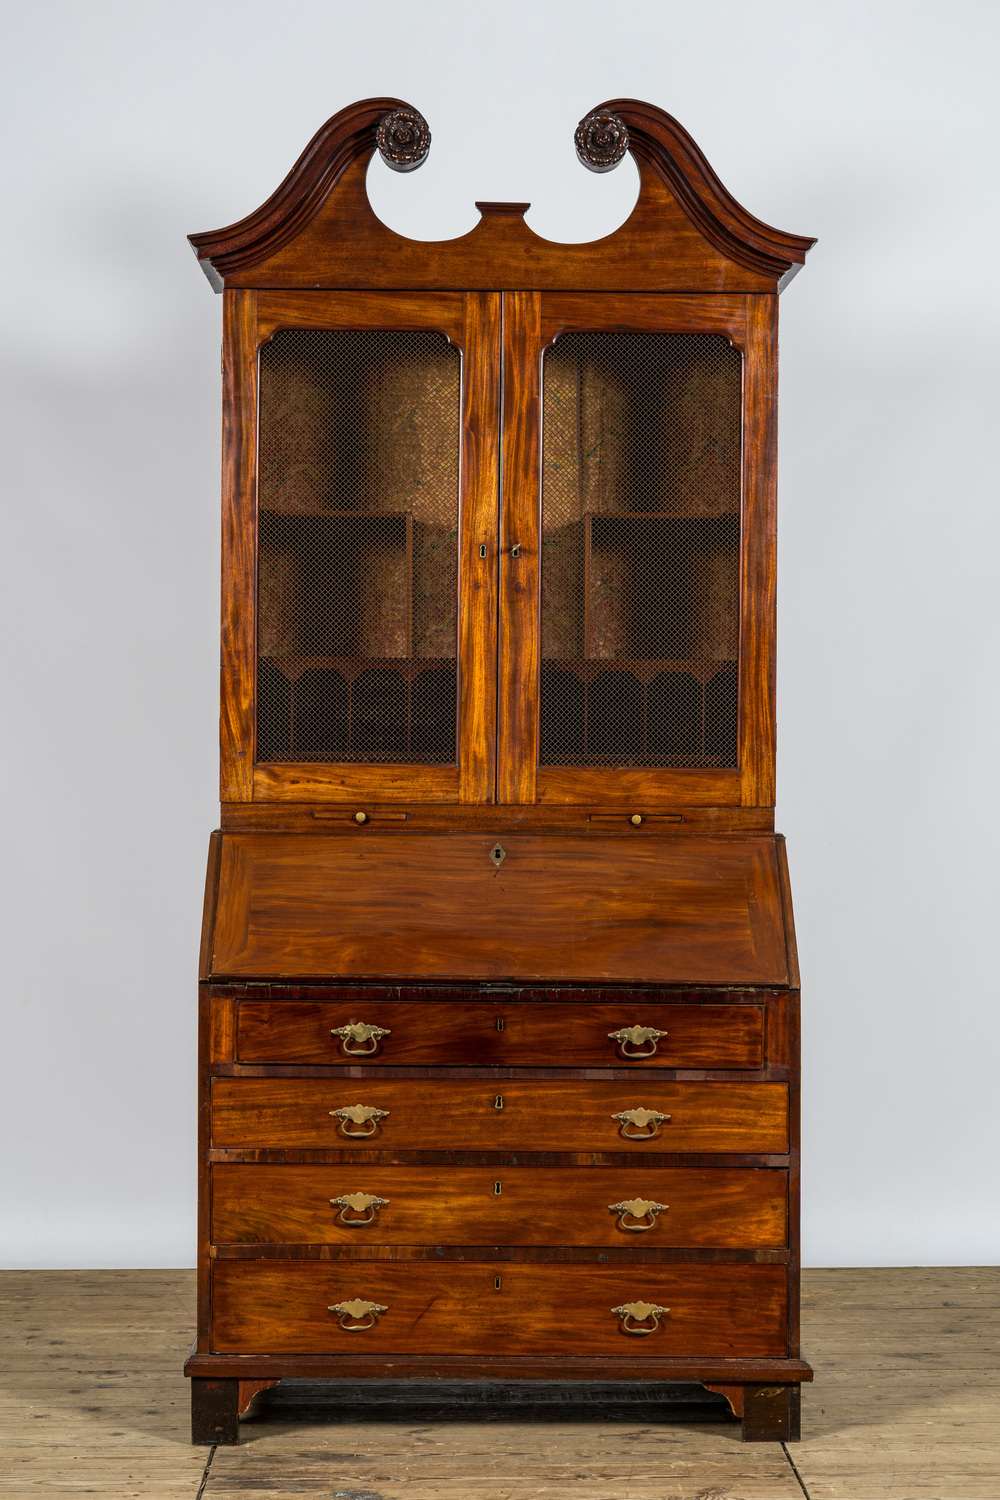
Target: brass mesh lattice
640, 550
357, 582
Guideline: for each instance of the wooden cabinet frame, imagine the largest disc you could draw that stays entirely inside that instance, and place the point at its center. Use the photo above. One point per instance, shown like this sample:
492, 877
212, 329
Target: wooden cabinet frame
498, 607
532, 322
471, 321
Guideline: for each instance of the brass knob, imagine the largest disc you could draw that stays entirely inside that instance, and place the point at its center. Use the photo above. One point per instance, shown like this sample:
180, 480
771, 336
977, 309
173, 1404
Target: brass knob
361, 1115
360, 817
636, 819
640, 1317
636, 1037
366, 1038
365, 1204
357, 1315
641, 1211
647, 1123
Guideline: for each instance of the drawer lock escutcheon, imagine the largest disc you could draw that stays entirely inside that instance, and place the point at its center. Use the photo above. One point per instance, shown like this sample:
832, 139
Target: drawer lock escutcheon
365, 1039
637, 1041
646, 1123
365, 1204
362, 1115
357, 1316
637, 1214
640, 1317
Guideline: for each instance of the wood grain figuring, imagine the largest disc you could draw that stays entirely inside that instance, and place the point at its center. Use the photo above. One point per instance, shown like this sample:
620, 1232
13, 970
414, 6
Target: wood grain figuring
443, 311
786, 906
346, 245
532, 1034
477, 716
318, 782
622, 786
669, 910
239, 545
291, 817
759, 530
517, 740
207, 1009
734, 1208
562, 312
209, 904
462, 1114
717, 1311
222, 1032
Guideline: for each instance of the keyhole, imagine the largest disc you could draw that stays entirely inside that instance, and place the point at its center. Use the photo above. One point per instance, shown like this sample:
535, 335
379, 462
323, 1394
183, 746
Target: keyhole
496, 1190
497, 1283
482, 549
498, 854
515, 551
499, 1023
498, 1102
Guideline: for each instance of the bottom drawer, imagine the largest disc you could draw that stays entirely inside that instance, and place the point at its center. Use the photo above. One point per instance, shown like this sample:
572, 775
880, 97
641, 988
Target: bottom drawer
702, 1311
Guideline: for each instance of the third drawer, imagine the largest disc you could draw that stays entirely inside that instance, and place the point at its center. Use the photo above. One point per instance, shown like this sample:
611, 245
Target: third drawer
660, 1206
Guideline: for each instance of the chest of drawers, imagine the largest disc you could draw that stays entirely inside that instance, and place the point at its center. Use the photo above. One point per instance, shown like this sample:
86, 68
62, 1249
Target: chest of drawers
477, 1177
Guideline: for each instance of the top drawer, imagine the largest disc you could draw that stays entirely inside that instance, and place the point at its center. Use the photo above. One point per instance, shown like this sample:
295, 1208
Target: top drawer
495, 1033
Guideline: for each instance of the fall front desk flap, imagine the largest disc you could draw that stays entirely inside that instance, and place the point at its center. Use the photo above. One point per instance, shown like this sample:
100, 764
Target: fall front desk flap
474, 906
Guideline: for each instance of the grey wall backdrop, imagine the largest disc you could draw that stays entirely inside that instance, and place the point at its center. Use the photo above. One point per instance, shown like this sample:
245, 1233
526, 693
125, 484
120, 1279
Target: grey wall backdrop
871, 124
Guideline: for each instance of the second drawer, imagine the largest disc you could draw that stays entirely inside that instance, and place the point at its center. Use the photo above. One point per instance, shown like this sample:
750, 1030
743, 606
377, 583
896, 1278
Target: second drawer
411, 1114
660, 1206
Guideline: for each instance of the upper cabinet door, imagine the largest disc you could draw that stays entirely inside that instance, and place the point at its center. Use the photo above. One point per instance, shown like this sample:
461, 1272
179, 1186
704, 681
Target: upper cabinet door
637, 551
360, 546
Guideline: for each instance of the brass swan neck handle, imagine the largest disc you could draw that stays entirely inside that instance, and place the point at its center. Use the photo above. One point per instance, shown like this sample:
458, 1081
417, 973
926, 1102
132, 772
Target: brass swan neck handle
359, 1039
365, 1204
637, 1042
637, 1214
364, 1117
640, 1317
358, 1315
640, 1124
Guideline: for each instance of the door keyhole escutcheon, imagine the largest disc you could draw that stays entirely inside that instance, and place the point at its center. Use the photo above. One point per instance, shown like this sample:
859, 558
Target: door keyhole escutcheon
498, 854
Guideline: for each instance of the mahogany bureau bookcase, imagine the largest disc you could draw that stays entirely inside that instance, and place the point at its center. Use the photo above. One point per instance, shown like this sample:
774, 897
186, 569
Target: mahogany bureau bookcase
499, 998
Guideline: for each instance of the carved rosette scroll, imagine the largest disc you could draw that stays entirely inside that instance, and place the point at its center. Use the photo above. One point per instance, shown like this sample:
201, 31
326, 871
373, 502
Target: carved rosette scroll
403, 140
601, 142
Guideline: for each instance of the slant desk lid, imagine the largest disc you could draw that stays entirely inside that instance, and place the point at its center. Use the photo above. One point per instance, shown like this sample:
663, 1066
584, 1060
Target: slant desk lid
661, 910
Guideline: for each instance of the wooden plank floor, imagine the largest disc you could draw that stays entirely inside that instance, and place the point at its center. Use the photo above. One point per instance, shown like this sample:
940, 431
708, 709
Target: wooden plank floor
904, 1407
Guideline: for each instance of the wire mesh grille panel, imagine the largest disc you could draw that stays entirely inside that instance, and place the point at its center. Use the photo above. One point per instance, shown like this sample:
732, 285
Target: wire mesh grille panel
640, 550
357, 587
